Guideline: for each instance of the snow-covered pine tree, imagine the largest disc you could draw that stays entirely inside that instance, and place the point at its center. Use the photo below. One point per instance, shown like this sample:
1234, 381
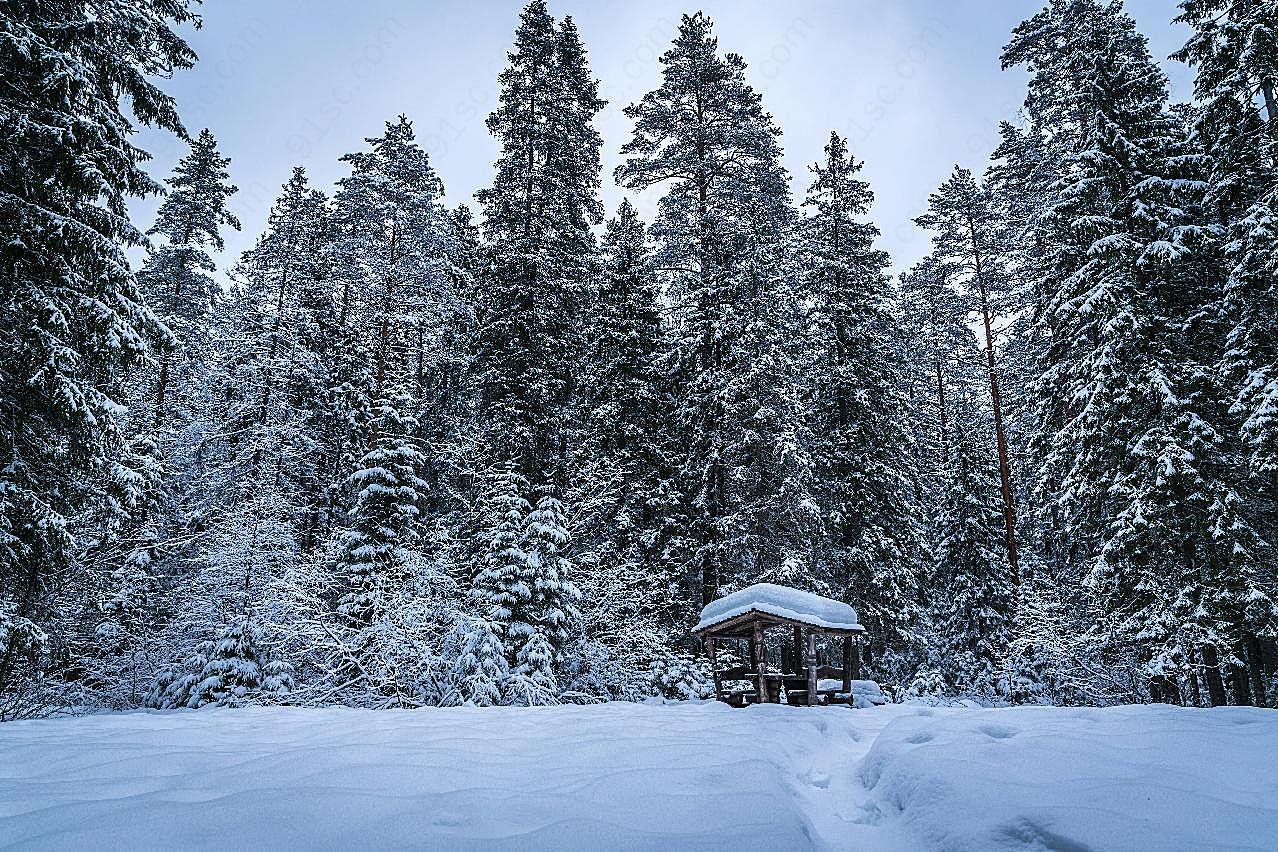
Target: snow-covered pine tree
482, 670
1235, 53
537, 219
739, 338
523, 591
385, 518
498, 590
394, 255
865, 454
549, 572
73, 317
621, 465
966, 225
175, 278
1133, 454
281, 329
233, 670
974, 602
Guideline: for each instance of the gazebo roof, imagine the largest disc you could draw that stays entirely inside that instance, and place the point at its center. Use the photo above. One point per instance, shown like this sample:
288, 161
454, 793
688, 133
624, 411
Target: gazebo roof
777, 604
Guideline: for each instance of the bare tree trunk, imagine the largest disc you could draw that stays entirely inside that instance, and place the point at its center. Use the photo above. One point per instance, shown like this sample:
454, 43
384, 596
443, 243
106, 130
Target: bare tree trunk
161, 386
1255, 664
996, 400
1194, 688
1211, 672
1238, 680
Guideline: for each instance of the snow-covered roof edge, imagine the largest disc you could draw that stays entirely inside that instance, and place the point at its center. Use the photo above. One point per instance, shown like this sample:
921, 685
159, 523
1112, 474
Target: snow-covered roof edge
782, 602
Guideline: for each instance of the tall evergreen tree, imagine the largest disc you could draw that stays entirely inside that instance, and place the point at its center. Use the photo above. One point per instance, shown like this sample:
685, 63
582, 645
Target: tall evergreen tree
176, 278
394, 255
538, 215
738, 327
964, 217
624, 398
73, 317
1235, 52
865, 453
1129, 419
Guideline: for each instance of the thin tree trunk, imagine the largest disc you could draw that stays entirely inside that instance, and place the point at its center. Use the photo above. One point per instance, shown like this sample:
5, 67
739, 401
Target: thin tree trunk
1211, 672
161, 386
945, 417
1255, 664
996, 399
1238, 680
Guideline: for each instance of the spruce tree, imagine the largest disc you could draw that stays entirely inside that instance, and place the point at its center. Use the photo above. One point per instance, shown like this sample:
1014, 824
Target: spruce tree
865, 454
623, 463
498, 591
1129, 427
176, 278
739, 340
537, 219
73, 317
964, 217
393, 257
385, 519
1235, 54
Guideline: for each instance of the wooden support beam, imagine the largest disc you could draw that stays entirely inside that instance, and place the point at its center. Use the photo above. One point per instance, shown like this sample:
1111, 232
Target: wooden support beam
714, 667
812, 669
848, 657
856, 658
760, 661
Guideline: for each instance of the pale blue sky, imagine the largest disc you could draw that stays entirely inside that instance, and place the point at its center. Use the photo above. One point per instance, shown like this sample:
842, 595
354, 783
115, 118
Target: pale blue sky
914, 84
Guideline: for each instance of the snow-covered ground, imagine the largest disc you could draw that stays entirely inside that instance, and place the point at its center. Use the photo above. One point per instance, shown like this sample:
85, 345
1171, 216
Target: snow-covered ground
627, 776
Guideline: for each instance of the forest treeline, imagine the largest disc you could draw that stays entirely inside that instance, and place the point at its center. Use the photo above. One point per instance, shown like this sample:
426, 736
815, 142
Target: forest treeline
418, 455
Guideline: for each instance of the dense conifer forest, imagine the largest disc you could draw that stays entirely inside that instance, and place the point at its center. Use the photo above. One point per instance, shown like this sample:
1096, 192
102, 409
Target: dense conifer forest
405, 454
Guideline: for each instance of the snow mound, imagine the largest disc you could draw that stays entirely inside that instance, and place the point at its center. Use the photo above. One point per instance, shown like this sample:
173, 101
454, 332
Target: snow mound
783, 602
616, 776
1031, 778
691, 775
865, 693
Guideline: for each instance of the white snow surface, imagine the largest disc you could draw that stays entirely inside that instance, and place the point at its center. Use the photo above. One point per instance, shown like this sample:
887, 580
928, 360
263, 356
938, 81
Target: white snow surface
694, 775
780, 601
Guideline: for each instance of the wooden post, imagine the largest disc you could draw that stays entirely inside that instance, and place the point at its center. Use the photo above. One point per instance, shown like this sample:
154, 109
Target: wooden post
856, 658
812, 667
798, 650
714, 668
761, 665
847, 666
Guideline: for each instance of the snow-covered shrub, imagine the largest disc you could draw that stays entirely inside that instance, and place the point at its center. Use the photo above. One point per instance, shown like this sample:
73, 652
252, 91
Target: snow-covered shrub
232, 671
682, 677
24, 692
405, 656
533, 683
481, 673
1055, 655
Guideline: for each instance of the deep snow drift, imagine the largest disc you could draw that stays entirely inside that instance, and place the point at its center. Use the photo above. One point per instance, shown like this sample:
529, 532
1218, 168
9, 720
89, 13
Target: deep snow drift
686, 776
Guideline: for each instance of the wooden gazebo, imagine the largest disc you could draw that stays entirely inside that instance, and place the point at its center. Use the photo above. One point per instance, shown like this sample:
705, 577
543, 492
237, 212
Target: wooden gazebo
748, 615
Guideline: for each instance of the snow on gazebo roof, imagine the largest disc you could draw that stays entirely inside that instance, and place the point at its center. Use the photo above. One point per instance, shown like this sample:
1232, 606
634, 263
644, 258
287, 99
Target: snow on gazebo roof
782, 602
